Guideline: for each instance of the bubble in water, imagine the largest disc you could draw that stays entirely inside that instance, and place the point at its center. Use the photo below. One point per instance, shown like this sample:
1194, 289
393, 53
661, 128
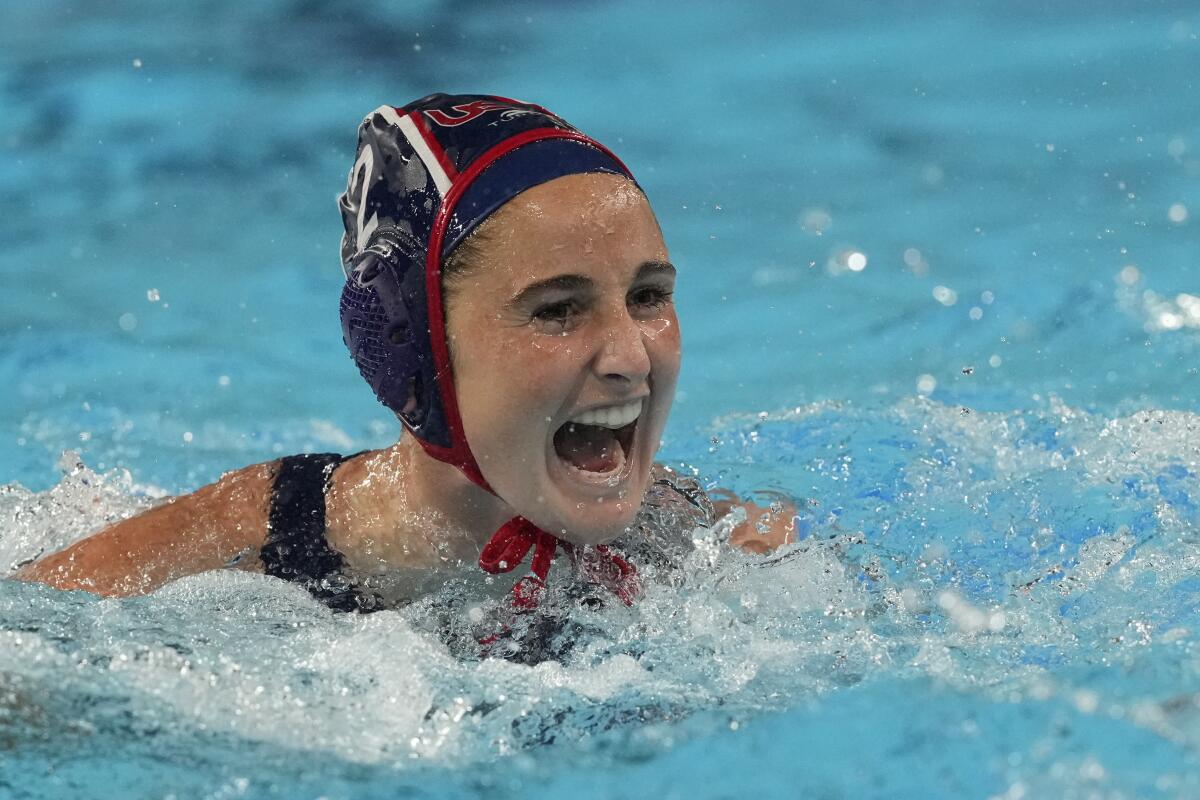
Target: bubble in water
152, 295
816, 221
1177, 213
968, 617
1129, 275
127, 321
848, 260
1086, 701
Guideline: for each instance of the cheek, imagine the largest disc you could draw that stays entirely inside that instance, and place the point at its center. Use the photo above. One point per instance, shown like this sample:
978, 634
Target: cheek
664, 344
509, 390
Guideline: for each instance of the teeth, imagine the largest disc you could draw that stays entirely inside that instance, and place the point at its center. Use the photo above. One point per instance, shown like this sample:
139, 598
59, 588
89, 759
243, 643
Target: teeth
611, 416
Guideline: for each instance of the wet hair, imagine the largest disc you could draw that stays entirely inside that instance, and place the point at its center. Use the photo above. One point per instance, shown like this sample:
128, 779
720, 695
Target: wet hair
464, 260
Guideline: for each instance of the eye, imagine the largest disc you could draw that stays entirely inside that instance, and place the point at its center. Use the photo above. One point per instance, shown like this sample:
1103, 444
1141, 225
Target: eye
556, 317
650, 297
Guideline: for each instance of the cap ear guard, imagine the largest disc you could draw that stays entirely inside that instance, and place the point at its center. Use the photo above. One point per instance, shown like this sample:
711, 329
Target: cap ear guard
381, 311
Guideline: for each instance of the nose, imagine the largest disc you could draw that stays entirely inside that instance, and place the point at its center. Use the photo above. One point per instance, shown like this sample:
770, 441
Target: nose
622, 358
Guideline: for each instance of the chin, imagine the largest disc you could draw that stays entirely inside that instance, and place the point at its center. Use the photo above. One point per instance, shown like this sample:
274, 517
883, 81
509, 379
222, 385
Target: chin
598, 524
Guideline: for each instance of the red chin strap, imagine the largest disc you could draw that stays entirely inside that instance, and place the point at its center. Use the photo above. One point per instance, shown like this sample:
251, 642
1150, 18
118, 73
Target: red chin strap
508, 547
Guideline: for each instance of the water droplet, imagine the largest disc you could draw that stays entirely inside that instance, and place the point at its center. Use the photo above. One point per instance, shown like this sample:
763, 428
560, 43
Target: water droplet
1129, 275
945, 295
816, 221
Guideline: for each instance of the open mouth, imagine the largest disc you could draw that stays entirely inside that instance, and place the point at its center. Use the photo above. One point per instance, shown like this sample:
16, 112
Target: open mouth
599, 442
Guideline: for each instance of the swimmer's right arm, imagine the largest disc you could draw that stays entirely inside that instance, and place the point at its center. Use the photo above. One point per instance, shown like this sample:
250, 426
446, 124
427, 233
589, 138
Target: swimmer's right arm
205, 530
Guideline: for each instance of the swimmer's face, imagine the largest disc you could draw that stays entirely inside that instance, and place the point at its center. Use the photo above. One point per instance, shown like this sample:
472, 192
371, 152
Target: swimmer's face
567, 316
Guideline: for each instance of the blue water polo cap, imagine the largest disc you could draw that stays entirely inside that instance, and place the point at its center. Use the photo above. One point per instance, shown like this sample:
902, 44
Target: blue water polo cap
425, 176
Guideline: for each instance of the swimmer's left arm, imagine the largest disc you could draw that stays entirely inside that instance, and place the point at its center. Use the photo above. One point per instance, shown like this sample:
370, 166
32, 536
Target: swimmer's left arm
765, 529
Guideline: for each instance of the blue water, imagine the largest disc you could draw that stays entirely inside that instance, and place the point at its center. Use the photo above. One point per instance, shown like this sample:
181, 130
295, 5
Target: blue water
937, 283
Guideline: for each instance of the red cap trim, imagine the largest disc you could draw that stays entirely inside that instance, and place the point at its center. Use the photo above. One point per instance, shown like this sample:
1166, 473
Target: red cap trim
459, 453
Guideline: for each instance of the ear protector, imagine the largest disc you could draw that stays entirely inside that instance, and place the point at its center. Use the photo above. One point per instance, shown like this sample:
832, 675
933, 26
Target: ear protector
386, 280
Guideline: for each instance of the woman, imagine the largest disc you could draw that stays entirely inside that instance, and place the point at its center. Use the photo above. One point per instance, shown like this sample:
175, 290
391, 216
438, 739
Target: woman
508, 296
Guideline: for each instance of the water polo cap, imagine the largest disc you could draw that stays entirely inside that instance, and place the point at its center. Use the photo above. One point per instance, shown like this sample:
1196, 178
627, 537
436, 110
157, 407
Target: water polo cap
425, 176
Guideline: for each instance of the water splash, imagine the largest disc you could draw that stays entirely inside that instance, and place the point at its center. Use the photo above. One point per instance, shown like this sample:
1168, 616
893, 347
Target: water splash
1021, 572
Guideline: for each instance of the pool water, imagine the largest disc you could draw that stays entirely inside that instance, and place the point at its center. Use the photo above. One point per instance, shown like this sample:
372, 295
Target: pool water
937, 284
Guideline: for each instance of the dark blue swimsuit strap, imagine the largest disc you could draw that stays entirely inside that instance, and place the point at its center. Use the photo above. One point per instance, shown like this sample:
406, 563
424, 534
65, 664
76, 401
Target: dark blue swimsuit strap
296, 549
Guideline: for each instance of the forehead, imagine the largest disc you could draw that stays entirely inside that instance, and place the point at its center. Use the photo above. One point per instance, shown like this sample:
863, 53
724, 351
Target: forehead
577, 197
576, 222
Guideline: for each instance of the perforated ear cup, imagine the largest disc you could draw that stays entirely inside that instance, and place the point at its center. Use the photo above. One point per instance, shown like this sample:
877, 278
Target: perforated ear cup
384, 324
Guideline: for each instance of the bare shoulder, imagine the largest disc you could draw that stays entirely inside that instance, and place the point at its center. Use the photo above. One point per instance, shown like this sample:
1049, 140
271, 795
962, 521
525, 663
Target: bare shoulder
218, 525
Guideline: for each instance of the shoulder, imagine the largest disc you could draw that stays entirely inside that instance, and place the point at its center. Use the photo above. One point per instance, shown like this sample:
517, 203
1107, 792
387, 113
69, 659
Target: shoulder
238, 489
674, 506
236, 506
754, 528
751, 527
671, 487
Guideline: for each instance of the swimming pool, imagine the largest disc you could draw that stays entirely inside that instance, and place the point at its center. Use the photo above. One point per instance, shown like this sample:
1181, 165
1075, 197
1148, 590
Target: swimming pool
937, 282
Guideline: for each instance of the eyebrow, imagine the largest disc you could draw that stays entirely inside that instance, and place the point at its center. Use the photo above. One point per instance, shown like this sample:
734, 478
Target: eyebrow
567, 283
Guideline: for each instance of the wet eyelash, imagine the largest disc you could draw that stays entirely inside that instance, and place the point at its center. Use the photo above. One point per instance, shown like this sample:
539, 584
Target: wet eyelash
660, 296
554, 311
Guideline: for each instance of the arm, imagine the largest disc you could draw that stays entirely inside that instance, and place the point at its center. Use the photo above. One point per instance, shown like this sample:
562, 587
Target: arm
195, 533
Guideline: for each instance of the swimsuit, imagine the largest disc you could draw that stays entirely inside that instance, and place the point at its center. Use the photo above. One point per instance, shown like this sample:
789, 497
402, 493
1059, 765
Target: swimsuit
296, 549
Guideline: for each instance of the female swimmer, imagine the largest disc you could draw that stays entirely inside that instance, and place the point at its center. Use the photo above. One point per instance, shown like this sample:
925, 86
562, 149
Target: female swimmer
508, 296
